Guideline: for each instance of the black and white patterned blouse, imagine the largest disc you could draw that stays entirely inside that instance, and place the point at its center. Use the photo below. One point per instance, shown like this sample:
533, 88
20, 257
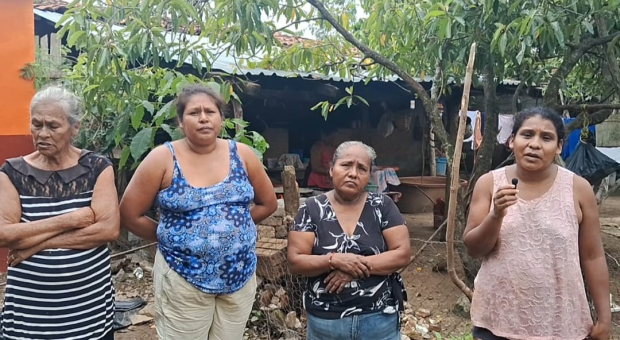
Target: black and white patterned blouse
361, 296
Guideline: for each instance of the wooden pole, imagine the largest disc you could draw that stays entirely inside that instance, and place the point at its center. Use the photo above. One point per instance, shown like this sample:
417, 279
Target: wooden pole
433, 159
237, 111
455, 178
291, 191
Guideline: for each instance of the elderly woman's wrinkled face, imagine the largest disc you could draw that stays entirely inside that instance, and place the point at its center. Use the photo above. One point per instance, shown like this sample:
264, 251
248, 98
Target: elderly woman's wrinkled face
351, 172
51, 131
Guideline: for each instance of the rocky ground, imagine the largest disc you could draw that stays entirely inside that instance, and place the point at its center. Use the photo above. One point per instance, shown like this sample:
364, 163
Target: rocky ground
436, 309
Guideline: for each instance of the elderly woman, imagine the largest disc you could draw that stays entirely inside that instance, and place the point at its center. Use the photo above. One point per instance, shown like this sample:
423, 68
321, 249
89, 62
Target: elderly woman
205, 267
535, 240
58, 210
350, 243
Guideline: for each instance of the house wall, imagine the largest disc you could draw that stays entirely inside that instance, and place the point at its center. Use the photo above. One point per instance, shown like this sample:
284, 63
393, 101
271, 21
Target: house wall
278, 142
608, 132
16, 50
400, 149
396, 150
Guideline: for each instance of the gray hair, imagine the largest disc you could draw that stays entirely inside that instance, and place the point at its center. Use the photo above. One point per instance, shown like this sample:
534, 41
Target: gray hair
67, 100
372, 155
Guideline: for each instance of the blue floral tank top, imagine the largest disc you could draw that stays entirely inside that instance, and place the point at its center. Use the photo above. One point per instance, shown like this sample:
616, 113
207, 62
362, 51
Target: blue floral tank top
207, 235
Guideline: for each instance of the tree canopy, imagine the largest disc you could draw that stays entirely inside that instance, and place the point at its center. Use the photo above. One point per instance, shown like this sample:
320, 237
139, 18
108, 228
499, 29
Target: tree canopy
132, 53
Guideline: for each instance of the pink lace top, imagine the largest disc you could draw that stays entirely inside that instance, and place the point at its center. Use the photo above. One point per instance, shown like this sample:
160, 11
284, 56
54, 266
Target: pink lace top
531, 285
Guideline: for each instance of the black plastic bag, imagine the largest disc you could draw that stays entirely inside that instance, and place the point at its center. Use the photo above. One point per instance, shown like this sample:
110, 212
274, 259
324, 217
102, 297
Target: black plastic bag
591, 164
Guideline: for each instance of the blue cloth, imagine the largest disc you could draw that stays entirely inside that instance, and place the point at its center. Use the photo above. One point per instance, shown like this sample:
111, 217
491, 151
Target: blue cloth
373, 326
573, 139
206, 235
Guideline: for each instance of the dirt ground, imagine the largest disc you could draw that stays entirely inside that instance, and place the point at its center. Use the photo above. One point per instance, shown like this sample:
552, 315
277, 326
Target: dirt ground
428, 285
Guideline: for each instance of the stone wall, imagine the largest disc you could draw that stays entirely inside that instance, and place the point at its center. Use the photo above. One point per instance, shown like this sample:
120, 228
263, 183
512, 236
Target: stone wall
271, 244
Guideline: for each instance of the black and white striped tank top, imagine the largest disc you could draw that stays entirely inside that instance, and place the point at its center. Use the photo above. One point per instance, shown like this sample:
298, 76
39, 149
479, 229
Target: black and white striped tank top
58, 293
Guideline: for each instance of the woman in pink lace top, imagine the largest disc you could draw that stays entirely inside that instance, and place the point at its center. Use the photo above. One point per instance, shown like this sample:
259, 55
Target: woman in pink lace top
535, 240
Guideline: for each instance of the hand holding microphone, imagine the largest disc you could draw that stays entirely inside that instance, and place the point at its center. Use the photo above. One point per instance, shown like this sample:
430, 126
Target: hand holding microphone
505, 196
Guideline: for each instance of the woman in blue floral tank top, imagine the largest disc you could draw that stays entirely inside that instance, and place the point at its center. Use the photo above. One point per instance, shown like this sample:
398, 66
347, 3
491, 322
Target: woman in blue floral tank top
204, 273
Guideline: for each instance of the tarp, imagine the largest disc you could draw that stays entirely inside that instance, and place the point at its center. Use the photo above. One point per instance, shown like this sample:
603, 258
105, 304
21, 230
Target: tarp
591, 164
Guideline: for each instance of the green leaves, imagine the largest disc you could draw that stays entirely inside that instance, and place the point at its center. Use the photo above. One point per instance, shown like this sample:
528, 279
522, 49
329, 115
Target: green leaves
350, 100
125, 68
148, 106
73, 38
136, 118
141, 142
559, 35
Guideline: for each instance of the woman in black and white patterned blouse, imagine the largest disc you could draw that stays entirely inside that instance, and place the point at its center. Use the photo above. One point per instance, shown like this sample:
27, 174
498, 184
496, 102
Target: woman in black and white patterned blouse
350, 243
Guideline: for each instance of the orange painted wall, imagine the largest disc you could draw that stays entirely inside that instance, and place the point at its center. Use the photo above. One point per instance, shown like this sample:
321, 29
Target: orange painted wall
16, 50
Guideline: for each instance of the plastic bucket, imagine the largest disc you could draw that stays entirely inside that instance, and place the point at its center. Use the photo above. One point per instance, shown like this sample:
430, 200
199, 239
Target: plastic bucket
441, 162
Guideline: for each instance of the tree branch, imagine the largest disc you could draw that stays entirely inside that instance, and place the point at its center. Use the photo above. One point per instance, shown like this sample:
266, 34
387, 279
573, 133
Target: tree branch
588, 107
431, 107
484, 155
295, 23
610, 54
595, 118
515, 97
435, 92
455, 180
570, 60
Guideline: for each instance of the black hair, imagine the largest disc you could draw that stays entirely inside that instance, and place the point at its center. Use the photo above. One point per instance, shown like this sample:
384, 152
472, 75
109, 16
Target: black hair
190, 90
544, 113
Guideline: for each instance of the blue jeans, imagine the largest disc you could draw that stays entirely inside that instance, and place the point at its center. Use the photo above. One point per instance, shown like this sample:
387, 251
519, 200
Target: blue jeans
373, 326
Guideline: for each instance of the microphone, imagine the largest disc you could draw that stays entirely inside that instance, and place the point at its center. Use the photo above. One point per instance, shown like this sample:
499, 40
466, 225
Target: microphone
515, 182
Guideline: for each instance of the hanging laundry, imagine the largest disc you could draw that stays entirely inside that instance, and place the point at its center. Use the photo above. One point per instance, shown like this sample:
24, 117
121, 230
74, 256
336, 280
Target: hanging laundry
472, 118
477, 131
505, 124
381, 178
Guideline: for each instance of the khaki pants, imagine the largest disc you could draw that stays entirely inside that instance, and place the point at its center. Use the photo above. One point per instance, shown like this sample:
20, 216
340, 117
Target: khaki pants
182, 312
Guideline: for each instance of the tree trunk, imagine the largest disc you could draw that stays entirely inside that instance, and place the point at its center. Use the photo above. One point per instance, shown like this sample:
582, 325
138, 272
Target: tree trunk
432, 154
470, 265
452, 117
122, 179
291, 191
483, 164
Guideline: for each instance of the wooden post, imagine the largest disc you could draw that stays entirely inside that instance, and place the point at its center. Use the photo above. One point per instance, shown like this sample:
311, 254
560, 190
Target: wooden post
432, 161
291, 191
237, 111
455, 180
